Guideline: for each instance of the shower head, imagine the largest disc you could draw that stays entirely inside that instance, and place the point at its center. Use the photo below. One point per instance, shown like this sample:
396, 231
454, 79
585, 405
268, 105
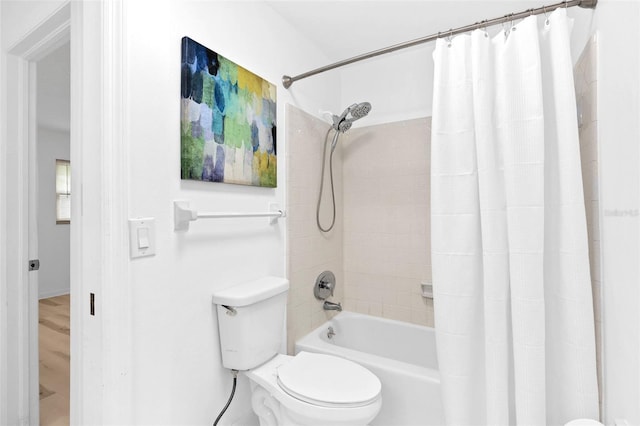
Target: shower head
354, 112
345, 125
360, 110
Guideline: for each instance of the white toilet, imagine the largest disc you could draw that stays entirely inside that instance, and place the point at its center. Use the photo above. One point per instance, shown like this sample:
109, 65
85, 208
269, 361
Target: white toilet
305, 389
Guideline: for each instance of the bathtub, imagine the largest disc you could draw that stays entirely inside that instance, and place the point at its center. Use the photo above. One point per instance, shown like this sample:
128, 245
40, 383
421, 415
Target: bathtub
402, 355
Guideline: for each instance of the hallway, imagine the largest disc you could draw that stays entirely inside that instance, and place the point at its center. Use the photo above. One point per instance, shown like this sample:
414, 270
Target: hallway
54, 360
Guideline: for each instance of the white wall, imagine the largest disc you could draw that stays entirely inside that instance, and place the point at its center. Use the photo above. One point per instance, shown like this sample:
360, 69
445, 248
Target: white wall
54, 87
23, 15
176, 367
619, 132
53, 239
3, 232
399, 85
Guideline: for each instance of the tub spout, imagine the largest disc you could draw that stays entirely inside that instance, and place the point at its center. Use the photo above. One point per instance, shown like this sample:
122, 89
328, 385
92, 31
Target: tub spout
330, 306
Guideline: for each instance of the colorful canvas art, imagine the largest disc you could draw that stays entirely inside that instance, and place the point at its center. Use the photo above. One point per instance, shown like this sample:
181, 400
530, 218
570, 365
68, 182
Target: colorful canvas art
228, 121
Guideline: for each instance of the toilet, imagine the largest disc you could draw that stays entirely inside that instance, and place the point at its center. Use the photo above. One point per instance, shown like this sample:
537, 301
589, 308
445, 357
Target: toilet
305, 389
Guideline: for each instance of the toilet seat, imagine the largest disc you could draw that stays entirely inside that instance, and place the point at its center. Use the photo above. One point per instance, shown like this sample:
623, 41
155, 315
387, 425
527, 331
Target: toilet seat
270, 399
328, 381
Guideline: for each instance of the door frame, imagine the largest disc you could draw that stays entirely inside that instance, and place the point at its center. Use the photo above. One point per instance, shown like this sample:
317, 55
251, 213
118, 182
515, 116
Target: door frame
100, 383
21, 286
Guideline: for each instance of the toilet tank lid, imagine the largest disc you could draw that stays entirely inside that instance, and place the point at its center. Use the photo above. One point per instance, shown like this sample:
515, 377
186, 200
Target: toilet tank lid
251, 292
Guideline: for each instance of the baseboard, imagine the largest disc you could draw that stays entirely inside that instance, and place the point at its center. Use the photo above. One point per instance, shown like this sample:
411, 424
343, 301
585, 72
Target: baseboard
54, 293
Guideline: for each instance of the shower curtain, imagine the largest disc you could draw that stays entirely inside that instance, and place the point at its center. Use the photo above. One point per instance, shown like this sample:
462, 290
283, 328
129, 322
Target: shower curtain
512, 288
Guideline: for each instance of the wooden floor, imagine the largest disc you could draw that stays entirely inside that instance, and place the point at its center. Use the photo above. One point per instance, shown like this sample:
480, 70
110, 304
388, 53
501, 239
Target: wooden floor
54, 360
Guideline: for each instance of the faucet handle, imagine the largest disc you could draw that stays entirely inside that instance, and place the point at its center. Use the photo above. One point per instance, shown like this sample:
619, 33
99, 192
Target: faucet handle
325, 283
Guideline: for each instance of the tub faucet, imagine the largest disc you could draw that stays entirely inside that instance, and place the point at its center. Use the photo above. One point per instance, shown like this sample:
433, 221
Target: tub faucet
330, 306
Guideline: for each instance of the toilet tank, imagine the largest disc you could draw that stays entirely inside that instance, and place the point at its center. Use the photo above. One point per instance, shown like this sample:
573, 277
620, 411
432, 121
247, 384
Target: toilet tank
251, 321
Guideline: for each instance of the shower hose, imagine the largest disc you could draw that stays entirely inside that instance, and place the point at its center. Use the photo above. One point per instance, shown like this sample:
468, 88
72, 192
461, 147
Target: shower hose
333, 197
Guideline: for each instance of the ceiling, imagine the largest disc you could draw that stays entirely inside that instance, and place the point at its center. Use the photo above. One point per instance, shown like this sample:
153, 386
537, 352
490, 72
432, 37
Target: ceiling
344, 28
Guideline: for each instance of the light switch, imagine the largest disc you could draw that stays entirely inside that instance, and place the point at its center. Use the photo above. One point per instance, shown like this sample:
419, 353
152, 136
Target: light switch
142, 237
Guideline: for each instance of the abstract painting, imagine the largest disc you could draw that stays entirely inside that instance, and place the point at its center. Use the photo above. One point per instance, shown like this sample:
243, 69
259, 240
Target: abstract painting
227, 121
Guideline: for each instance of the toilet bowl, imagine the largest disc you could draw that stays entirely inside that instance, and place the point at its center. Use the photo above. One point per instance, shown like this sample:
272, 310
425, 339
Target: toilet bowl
584, 422
314, 389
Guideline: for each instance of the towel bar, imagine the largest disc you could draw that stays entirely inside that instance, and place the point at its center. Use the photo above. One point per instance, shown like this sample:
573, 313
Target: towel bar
182, 214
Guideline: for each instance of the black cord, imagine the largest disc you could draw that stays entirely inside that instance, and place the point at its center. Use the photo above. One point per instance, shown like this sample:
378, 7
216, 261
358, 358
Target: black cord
233, 391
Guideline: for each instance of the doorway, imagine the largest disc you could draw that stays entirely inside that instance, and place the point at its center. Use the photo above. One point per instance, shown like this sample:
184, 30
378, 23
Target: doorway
100, 389
53, 205
27, 46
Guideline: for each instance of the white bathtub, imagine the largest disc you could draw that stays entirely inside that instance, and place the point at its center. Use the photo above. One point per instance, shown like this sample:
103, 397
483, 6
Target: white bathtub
402, 355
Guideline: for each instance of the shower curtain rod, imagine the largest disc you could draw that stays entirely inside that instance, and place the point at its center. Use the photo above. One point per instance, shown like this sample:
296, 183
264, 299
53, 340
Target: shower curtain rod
287, 81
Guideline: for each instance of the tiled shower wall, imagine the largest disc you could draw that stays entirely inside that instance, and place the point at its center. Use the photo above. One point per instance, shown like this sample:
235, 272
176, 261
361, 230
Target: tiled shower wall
310, 252
585, 77
386, 220
379, 247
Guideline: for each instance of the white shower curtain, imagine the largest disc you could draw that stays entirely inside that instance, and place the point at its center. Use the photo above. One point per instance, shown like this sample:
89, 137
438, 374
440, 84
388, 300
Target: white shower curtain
512, 289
